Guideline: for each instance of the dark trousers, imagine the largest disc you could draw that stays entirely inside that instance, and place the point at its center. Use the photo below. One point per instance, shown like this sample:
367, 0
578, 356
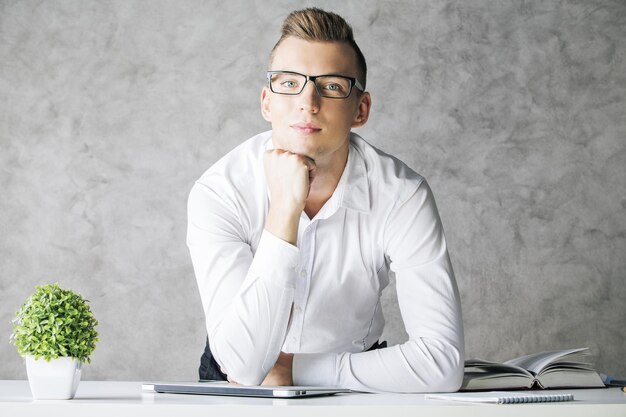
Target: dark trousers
210, 370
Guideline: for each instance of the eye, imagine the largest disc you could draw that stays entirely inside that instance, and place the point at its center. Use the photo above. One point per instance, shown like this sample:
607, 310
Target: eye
289, 84
333, 86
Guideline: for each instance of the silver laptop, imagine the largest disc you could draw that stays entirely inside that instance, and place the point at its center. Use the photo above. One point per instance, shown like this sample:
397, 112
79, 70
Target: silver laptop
224, 388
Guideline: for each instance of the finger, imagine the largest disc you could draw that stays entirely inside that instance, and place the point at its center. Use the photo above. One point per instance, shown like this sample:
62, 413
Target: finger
273, 153
310, 165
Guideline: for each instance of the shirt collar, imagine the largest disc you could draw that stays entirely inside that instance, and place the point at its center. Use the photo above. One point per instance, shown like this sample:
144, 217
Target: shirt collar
355, 190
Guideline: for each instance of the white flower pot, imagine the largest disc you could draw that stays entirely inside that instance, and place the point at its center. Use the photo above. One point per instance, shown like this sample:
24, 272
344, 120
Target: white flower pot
54, 380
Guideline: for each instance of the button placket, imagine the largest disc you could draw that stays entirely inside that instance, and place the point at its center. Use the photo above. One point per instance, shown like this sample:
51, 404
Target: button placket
295, 332
306, 245
305, 274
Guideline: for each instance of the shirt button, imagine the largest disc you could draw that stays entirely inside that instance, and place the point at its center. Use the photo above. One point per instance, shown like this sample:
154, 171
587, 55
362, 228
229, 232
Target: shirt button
303, 274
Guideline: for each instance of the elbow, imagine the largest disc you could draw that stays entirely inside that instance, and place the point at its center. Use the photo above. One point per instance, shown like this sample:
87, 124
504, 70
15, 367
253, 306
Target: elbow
448, 381
238, 367
440, 368
449, 374
244, 372
247, 376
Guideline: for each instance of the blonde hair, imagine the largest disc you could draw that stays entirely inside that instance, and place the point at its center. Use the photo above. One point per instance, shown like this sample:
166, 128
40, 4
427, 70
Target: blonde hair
317, 25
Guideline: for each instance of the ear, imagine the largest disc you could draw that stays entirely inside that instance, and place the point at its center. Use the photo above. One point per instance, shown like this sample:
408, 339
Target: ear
363, 110
265, 104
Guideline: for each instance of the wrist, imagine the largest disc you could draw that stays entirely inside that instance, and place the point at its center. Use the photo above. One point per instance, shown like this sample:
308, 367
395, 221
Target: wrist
283, 223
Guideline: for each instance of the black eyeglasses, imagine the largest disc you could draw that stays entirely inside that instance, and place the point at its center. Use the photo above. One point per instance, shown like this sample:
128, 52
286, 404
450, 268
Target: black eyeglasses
330, 86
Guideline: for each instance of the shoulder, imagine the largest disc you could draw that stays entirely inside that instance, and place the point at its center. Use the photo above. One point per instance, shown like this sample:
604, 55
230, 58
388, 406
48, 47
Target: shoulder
235, 182
389, 178
239, 167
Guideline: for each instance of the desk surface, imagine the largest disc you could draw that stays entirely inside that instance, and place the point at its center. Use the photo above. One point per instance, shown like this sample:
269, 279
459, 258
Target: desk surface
127, 399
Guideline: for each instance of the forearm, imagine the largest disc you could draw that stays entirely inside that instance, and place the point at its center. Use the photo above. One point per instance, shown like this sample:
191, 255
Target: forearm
416, 366
262, 313
247, 338
247, 342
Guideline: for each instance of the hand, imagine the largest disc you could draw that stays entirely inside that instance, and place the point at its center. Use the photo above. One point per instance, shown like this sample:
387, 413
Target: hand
281, 373
289, 178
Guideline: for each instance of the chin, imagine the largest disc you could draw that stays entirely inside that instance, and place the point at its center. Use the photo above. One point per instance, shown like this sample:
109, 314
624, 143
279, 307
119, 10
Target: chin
303, 150
299, 145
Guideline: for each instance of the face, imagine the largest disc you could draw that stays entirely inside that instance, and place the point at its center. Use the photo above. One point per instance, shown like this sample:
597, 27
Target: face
308, 124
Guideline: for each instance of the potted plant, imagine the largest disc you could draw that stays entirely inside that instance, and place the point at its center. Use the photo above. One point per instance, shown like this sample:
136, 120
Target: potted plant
54, 330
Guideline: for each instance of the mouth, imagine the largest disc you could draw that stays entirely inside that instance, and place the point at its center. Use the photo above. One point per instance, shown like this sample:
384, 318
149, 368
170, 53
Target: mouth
306, 128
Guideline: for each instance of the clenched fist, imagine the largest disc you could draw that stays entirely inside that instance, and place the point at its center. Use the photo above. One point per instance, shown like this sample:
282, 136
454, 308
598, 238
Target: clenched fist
289, 178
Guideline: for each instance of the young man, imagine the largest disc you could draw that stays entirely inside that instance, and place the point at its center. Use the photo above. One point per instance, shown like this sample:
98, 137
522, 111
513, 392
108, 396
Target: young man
293, 233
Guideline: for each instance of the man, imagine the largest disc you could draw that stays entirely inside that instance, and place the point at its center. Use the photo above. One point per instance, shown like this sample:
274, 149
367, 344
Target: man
293, 233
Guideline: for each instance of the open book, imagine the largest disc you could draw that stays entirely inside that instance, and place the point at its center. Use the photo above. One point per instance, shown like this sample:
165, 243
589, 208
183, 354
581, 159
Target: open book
555, 369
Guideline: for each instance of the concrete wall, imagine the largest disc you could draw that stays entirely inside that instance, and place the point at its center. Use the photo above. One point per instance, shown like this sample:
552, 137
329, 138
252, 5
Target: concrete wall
514, 111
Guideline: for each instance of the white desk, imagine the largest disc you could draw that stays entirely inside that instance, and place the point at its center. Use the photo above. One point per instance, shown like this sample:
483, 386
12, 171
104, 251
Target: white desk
119, 399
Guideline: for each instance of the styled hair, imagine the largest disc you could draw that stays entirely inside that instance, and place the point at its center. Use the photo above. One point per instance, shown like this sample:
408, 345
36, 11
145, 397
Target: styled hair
317, 25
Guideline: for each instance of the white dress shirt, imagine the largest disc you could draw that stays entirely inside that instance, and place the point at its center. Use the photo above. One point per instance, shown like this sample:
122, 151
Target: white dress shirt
321, 299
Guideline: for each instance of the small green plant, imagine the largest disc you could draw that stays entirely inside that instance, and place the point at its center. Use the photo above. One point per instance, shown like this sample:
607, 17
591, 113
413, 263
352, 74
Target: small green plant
54, 322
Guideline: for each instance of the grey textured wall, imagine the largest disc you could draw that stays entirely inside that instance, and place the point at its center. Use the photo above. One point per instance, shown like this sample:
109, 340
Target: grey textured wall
514, 111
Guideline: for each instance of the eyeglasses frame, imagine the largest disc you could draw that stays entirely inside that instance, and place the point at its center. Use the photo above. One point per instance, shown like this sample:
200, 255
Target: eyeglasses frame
353, 83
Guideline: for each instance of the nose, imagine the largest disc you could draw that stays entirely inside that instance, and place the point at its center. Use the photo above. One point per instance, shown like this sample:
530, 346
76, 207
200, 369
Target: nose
309, 100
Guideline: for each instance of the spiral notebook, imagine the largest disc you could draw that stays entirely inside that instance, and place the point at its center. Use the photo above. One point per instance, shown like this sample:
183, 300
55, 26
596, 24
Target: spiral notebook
497, 397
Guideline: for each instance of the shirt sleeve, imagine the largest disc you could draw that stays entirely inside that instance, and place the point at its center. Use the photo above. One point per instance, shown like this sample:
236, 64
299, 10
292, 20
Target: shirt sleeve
432, 359
246, 298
